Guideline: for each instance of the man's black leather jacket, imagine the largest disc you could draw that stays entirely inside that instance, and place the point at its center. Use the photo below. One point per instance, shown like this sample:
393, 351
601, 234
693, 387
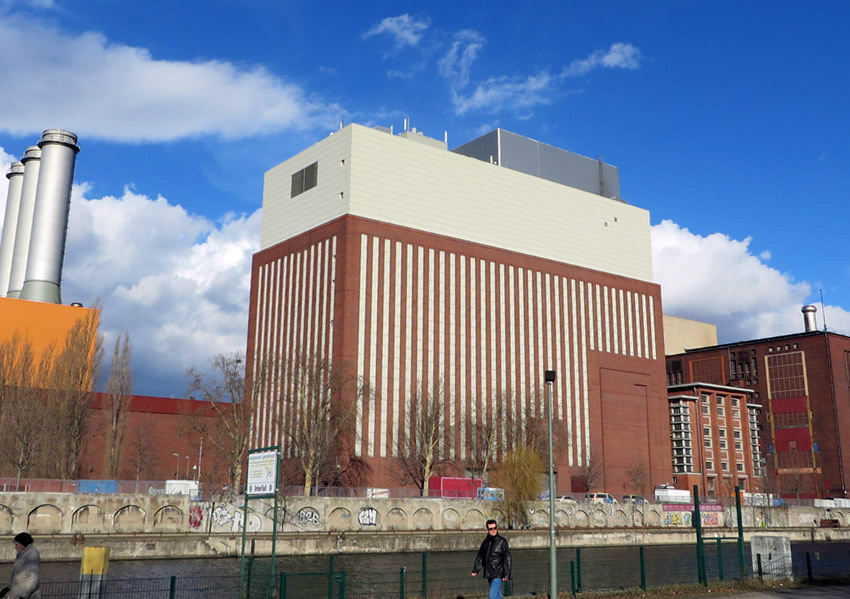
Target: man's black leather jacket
495, 556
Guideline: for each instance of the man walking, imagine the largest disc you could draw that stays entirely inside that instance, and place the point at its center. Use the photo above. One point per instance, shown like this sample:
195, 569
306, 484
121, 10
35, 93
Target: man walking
495, 556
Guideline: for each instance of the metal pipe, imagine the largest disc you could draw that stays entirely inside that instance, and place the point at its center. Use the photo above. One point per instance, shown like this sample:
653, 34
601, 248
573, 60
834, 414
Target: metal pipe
50, 221
32, 164
10, 224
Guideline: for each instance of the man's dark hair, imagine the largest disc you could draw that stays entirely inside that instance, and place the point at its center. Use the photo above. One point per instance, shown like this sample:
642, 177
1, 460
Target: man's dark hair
489, 522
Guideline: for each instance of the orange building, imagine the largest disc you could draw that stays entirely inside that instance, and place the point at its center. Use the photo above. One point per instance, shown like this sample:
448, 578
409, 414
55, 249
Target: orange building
42, 323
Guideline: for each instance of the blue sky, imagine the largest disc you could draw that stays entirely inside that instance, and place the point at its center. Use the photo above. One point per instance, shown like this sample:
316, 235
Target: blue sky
728, 121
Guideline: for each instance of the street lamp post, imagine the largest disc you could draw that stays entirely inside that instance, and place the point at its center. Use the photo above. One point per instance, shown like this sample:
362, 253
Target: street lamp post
549, 377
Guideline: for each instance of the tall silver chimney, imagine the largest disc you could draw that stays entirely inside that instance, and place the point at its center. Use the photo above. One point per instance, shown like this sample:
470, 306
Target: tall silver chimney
32, 162
50, 221
10, 224
810, 320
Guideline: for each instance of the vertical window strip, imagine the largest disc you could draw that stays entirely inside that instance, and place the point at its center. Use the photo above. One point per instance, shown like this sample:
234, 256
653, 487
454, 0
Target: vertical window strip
652, 325
482, 346
574, 334
622, 304
258, 353
532, 329
565, 377
263, 408
492, 392
420, 324
585, 400
332, 300
590, 318
474, 395
522, 397
464, 393
451, 380
408, 341
538, 371
638, 330
558, 386
279, 362
511, 359
296, 335
322, 313
503, 341
397, 334
442, 377
274, 350
431, 334
373, 347
548, 359
644, 328
314, 295
385, 348
630, 324
615, 329
285, 361
598, 289
607, 320
307, 298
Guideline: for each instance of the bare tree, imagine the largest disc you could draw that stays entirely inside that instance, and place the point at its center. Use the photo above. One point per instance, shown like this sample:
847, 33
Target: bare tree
319, 408
143, 454
638, 476
591, 472
116, 403
23, 403
426, 429
72, 379
520, 475
226, 422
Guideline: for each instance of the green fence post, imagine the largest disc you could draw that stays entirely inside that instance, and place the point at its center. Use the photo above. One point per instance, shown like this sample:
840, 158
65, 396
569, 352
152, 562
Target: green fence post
281, 588
424, 574
331, 576
573, 578
809, 566
758, 560
642, 570
250, 575
578, 569
341, 579
402, 582
172, 588
720, 558
507, 588
697, 518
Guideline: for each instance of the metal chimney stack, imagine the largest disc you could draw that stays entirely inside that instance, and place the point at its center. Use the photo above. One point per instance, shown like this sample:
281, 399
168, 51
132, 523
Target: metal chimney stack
810, 321
32, 162
50, 220
10, 224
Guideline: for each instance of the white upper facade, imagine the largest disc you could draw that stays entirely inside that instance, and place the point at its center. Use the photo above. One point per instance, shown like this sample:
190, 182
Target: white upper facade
420, 184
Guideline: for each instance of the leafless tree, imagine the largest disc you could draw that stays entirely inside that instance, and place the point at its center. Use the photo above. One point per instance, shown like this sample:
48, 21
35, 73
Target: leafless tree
591, 472
72, 378
319, 404
23, 402
485, 441
419, 455
637, 474
225, 423
143, 454
116, 403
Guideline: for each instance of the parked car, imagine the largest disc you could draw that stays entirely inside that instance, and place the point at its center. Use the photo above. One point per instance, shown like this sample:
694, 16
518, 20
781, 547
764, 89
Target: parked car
599, 498
633, 499
567, 499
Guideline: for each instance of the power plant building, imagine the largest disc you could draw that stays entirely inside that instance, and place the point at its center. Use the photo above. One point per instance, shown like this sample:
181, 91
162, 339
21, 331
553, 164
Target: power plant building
476, 269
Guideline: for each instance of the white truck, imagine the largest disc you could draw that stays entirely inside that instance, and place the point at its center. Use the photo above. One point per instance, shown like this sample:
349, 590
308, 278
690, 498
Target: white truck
667, 493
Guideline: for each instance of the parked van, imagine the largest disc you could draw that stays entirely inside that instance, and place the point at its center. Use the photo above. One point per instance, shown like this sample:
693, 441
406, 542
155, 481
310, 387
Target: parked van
633, 499
599, 498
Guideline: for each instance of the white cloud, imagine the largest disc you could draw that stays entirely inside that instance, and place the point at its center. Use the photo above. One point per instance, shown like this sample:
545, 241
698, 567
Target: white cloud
178, 283
716, 279
456, 63
404, 29
618, 56
106, 90
503, 93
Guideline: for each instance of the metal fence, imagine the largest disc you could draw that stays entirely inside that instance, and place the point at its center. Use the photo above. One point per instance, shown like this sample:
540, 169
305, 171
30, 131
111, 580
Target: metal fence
580, 570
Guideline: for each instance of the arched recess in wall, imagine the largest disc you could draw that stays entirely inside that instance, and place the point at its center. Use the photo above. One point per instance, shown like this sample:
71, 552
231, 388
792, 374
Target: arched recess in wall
340, 519
396, 519
130, 518
451, 519
169, 517
473, 519
5, 519
45, 519
88, 518
618, 519
423, 519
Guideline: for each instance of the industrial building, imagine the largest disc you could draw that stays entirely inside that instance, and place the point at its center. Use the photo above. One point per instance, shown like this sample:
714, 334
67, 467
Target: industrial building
476, 269
799, 383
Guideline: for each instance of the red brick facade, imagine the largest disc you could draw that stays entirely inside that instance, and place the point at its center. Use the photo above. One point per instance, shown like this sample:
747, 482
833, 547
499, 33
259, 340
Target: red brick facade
399, 306
801, 383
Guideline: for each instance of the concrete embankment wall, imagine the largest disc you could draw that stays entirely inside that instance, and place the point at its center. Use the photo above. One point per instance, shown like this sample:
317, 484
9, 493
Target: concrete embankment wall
139, 526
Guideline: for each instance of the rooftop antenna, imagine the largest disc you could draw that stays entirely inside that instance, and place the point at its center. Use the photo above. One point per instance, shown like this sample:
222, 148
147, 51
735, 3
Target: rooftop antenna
823, 310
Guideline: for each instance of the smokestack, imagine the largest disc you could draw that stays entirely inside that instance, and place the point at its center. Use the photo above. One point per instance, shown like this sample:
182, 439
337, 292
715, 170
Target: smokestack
32, 163
10, 224
810, 321
50, 220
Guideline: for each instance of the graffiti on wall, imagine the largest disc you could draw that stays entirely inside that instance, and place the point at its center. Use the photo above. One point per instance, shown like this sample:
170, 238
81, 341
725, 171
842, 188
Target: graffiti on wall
711, 519
308, 517
221, 517
368, 516
678, 519
196, 516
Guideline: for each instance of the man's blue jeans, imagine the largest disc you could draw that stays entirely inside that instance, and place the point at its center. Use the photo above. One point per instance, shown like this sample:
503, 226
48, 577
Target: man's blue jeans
496, 588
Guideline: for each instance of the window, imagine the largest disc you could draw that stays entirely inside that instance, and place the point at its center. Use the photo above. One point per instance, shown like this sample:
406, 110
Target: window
719, 400
734, 402
722, 443
738, 445
705, 399
721, 432
736, 413
724, 466
705, 410
706, 431
707, 442
721, 411
305, 179
709, 466
736, 434
740, 467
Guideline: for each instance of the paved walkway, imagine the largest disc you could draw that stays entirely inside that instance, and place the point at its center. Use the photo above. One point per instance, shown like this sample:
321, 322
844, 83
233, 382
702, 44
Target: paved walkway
821, 592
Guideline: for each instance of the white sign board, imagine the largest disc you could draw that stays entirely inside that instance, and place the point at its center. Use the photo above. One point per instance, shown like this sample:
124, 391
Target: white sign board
262, 473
